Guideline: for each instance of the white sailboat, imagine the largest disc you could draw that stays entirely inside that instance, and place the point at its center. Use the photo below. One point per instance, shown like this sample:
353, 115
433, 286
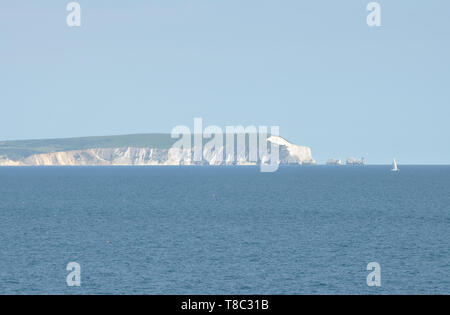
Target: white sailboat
394, 166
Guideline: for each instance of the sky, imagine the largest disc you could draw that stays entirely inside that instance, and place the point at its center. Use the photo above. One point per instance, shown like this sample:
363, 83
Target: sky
313, 68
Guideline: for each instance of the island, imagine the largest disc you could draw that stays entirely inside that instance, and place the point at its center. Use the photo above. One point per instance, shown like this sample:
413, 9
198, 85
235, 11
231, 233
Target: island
135, 149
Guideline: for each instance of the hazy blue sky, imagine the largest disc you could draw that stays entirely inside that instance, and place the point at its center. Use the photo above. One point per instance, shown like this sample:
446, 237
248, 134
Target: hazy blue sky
312, 67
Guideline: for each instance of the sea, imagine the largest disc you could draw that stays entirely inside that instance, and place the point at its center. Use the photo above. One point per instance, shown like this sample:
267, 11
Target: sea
225, 230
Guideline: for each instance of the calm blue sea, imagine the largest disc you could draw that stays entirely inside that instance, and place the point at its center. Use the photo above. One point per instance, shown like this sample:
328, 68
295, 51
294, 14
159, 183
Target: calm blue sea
225, 230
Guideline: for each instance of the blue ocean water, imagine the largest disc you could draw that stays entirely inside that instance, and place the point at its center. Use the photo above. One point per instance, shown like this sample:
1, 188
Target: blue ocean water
225, 230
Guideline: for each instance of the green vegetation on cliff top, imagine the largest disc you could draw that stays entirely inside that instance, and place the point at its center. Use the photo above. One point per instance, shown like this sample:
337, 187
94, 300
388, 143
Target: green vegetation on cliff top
19, 149
22, 148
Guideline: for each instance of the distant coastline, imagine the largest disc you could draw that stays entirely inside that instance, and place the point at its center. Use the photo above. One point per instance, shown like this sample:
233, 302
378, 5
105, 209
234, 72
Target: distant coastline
138, 149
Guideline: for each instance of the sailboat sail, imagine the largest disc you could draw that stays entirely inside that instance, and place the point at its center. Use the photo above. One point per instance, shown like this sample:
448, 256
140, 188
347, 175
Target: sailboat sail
394, 166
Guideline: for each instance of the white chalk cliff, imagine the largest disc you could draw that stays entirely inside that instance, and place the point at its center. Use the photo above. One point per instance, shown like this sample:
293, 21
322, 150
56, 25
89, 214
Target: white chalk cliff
292, 153
289, 154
